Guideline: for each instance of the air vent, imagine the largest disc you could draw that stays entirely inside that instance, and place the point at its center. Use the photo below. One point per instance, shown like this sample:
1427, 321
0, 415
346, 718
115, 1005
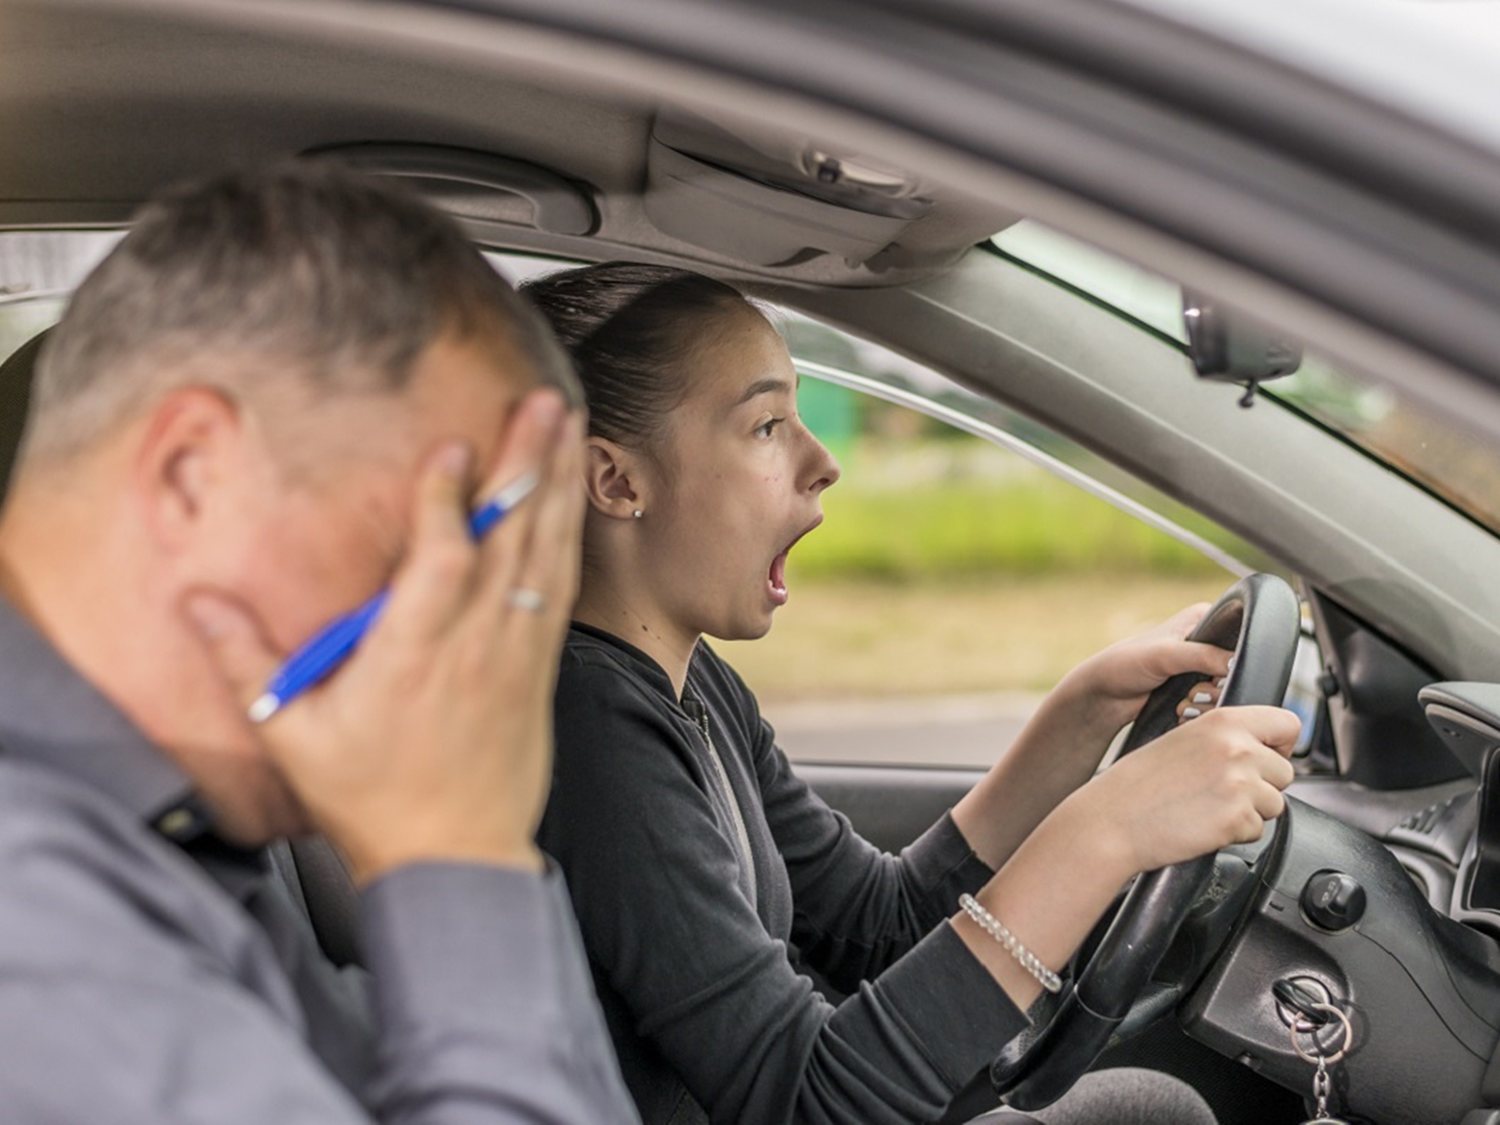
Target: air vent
1427, 819
1441, 829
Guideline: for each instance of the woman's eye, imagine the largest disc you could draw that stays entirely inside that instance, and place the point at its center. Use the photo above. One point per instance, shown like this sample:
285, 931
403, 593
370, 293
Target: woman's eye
766, 428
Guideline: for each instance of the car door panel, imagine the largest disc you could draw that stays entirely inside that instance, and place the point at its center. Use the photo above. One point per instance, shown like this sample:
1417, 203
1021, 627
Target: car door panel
888, 805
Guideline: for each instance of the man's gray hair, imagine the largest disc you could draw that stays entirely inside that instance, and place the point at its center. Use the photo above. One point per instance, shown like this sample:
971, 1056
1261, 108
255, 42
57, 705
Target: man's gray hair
303, 268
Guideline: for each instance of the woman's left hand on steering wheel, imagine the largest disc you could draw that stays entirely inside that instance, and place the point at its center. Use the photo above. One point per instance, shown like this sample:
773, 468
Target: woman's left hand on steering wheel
1118, 679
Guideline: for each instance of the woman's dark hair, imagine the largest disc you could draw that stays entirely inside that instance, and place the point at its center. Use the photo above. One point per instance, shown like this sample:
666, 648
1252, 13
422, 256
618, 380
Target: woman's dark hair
631, 331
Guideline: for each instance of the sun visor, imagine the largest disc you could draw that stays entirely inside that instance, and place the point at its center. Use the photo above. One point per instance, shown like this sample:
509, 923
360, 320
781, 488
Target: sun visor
764, 198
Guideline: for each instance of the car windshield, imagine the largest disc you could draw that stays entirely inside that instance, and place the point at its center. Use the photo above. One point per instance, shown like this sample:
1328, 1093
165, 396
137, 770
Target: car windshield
1459, 469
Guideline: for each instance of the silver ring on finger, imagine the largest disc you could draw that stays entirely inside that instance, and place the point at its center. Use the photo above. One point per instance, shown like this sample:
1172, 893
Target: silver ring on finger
523, 597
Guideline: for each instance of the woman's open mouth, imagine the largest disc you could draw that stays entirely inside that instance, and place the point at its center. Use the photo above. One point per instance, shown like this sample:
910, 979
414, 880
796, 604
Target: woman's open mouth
776, 576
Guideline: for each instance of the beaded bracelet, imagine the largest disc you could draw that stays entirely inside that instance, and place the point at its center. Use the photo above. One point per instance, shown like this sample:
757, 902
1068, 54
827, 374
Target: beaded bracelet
992, 926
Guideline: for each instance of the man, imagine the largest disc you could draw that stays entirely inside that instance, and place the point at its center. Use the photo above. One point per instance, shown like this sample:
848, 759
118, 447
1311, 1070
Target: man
278, 395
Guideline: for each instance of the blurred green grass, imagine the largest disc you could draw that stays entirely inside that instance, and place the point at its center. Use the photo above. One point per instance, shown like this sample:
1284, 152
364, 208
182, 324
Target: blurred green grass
1026, 524
876, 639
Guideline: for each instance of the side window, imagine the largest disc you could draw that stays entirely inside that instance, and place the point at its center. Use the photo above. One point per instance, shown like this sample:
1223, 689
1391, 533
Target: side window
969, 558
22, 317
38, 269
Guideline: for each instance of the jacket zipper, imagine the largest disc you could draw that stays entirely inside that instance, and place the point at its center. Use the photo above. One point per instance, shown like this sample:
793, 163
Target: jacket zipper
734, 805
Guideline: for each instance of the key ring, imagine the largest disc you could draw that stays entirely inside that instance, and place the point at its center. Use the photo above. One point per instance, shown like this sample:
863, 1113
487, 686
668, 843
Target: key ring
1300, 1028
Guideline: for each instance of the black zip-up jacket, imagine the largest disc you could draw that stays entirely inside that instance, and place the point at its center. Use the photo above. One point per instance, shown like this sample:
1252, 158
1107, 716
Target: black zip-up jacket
701, 868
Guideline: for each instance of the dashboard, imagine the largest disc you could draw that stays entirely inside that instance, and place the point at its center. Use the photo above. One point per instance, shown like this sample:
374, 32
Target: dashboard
1341, 913
1450, 845
1385, 903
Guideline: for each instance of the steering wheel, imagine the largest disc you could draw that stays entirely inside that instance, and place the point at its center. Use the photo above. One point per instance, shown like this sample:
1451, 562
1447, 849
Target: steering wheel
1260, 620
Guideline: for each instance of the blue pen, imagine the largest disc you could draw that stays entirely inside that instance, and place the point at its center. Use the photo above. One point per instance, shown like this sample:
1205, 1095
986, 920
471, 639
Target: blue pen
317, 659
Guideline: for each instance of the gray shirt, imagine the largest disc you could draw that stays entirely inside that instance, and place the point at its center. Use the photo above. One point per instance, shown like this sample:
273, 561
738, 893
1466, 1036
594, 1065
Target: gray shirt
151, 973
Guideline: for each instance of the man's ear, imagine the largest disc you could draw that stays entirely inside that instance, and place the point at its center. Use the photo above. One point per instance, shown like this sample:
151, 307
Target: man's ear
188, 451
612, 476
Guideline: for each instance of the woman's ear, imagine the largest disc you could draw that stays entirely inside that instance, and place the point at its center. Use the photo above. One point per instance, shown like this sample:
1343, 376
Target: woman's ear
612, 475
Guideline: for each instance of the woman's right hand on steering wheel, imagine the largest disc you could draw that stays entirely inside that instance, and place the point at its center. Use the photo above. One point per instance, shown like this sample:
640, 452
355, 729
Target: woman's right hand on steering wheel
1209, 783
1202, 786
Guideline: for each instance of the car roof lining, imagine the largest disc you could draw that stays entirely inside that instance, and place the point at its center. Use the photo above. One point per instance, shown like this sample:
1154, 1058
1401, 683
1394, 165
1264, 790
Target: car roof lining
87, 143
626, 59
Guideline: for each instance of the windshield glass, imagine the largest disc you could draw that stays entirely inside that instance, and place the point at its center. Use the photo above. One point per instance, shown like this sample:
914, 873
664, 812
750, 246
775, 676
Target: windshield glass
1459, 469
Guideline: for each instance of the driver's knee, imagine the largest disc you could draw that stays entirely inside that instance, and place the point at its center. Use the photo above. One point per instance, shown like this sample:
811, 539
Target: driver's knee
1119, 1096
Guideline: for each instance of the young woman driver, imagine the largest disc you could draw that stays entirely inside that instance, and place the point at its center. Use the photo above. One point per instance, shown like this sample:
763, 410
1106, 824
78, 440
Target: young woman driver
704, 872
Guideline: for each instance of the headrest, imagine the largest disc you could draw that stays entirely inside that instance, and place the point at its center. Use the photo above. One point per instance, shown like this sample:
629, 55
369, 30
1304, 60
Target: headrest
16, 374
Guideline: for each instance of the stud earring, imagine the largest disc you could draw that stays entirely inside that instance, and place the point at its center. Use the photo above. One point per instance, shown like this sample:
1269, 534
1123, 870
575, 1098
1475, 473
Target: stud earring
638, 513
